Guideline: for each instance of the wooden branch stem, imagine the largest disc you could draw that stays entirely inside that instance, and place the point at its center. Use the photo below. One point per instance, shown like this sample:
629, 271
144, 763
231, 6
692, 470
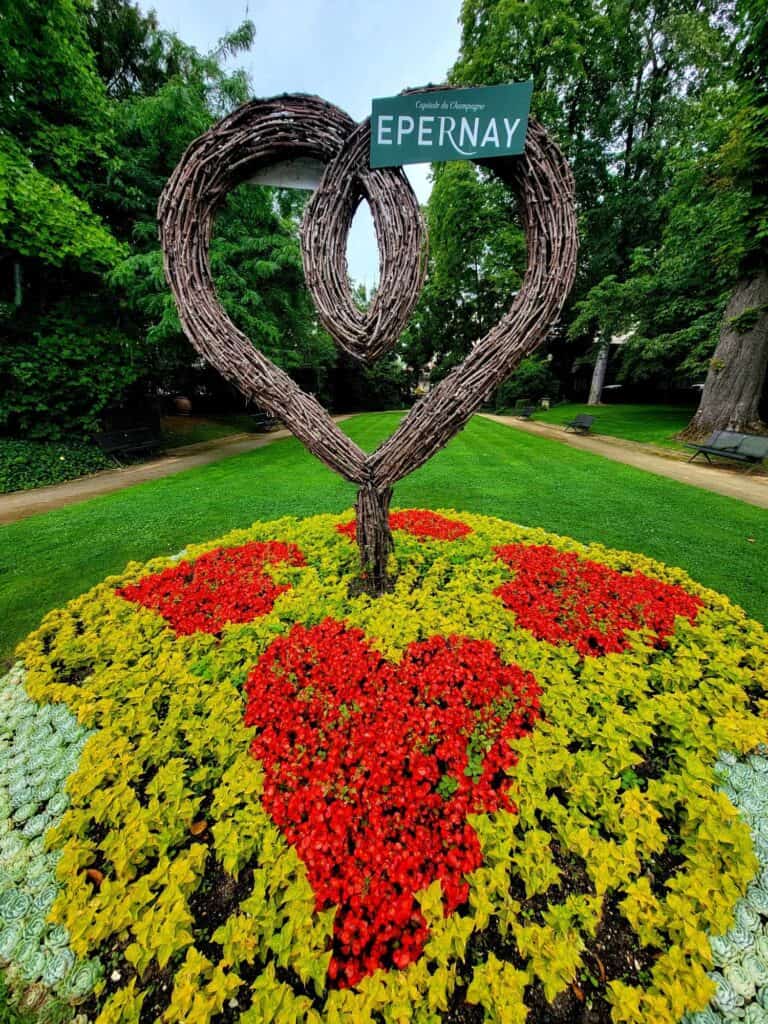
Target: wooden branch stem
374, 537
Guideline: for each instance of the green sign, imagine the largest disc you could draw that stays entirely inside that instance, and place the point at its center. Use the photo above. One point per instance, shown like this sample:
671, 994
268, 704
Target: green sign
450, 124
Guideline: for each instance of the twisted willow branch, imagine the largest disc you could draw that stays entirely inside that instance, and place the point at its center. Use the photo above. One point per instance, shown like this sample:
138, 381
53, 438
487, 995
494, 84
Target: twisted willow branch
401, 238
265, 132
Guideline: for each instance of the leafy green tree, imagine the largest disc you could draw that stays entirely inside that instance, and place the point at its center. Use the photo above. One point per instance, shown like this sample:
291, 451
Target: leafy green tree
57, 376
52, 101
737, 371
476, 262
55, 132
604, 313
43, 220
711, 253
532, 380
132, 54
97, 104
180, 94
56, 140
616, 83
611, 82
255, 253
256, 264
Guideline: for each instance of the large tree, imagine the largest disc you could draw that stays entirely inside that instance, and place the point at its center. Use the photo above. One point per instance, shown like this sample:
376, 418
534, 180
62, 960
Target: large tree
55, 138
56, 143
97, 105
737, 371
616, 82
612, 81
256, 264
476, 262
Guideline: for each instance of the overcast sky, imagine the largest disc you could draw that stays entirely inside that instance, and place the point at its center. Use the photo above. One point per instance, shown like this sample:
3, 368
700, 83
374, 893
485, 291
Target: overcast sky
347, 51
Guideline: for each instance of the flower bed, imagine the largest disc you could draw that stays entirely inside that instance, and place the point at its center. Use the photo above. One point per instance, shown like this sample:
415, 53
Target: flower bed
525, 785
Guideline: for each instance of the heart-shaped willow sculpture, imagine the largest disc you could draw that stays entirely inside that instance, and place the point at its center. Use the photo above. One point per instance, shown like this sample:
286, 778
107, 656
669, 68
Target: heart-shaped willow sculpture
266, 132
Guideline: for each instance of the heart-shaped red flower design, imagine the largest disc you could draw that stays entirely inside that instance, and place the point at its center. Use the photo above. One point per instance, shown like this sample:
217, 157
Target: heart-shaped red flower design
221, 586
562, 598
372, 768
419, 522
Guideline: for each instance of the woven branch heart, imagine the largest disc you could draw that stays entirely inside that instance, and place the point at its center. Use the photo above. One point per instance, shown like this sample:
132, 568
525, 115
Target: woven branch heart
265, 132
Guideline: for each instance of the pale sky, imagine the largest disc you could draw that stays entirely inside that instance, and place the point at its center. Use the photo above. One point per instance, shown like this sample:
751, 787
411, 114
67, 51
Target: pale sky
345, 51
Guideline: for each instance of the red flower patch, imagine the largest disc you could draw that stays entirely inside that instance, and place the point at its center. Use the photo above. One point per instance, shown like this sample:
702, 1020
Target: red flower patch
421, 523
562, 598
372, 767
221, 586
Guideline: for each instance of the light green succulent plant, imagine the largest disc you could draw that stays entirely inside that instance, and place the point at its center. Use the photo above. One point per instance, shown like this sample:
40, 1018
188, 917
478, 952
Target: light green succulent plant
57, 966
741, 954
81, 980
11, 936
39, 749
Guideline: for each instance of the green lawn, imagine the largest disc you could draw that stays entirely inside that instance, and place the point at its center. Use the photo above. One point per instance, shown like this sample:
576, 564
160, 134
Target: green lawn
652, 424
488, 468
181, 430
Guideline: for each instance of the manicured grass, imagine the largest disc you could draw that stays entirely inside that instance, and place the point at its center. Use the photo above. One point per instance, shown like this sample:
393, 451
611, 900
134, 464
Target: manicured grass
181, 430
489, 468
651, 424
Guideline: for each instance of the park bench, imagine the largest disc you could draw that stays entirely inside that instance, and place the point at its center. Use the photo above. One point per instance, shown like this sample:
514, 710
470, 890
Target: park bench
582, 424
262, 421
526, 412
133, 441
728, 444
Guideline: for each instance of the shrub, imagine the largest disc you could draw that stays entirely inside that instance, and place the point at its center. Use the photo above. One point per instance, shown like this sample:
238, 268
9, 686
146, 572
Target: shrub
27, 464
57, 375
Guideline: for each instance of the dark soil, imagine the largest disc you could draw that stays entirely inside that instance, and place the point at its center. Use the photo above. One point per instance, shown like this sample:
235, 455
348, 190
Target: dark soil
159, 988
217, 897
71, 675
612, 954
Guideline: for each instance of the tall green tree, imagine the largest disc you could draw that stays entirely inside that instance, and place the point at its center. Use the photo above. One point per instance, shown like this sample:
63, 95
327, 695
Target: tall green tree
476, 263
612, 81
737, 371
256, 265
132, 54
98, 105
617, 84
55, 138
56, 143
255, 254
710, 256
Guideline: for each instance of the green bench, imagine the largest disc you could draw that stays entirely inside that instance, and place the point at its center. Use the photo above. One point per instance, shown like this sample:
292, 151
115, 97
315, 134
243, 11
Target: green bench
134, 441
582, 424
729, 444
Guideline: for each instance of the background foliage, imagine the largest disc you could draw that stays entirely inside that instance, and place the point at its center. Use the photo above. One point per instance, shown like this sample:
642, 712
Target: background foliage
97, 104
659, 104
659, 108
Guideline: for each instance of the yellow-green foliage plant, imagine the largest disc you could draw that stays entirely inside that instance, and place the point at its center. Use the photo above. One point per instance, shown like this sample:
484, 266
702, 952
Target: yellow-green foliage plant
601, 890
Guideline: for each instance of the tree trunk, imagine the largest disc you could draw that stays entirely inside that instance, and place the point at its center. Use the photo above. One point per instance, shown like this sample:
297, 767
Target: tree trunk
374, 537
598, 374
18, 284
731, 396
